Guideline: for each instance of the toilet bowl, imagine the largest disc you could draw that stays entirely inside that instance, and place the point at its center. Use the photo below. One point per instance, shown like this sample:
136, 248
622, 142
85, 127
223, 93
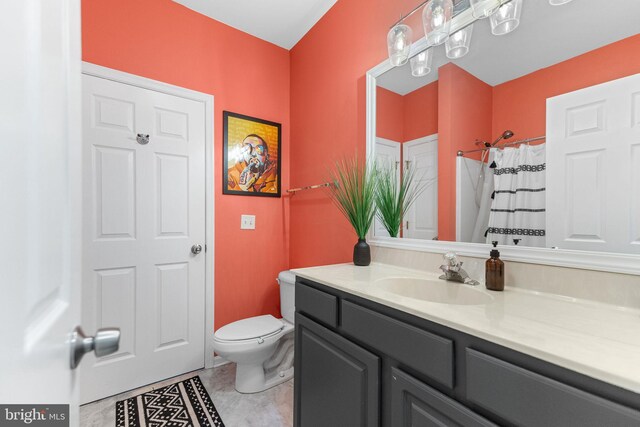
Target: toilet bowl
261, 346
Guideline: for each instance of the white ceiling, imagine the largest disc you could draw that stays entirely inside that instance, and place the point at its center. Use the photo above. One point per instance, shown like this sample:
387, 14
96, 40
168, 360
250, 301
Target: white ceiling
546, 36
281, 22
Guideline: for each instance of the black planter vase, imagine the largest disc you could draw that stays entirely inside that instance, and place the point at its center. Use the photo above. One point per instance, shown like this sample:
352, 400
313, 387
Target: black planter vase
362, 253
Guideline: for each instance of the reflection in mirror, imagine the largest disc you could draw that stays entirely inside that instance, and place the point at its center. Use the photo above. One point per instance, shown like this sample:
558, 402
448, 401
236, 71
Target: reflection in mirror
531, 138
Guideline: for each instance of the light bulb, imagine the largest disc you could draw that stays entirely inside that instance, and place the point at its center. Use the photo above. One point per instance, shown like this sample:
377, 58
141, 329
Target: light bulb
399, 44
458, 43
421, 63
503, 12
507, 18
436, 19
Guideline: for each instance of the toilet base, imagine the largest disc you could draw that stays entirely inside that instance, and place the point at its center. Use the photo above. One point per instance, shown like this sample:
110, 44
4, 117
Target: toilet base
277, 370
248, 381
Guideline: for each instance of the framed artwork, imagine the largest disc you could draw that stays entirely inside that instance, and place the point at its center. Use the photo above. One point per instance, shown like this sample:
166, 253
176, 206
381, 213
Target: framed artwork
251, 156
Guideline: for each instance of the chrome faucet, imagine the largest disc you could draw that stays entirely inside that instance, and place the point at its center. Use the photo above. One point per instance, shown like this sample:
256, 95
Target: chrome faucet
453, 271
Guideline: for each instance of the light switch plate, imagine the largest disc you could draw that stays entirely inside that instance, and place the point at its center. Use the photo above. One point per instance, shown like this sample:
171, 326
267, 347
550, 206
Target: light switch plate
247, 222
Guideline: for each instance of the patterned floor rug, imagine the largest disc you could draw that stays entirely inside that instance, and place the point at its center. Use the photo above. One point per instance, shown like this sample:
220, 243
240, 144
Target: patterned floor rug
182, 404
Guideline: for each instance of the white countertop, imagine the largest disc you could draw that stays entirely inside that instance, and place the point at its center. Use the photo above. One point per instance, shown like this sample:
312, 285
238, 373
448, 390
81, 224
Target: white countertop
599, 340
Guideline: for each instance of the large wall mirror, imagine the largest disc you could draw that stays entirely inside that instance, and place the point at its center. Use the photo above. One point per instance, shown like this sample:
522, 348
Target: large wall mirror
529, 139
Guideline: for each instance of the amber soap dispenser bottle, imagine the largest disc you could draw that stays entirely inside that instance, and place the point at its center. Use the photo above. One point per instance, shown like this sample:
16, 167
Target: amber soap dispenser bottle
494, 271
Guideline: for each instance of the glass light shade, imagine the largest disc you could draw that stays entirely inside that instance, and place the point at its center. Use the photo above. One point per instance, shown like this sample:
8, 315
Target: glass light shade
507, 18
558, 2
484, 8
436, 18
421, 63
457, 45
399, 44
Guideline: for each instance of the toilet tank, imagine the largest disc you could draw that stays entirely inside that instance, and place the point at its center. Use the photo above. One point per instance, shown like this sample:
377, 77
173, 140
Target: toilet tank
287, 282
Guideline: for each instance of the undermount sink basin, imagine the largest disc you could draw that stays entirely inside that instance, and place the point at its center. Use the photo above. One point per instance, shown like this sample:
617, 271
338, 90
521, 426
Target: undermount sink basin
438, 291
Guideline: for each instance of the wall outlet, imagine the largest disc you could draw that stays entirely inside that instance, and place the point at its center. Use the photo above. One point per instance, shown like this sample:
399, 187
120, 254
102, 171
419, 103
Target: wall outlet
247, 222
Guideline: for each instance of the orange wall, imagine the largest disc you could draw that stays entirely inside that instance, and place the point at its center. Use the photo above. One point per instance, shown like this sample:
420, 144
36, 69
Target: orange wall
328, 118
389, 115
162, 40
328, 111
405, 118
464, 114
421, 112
520, 104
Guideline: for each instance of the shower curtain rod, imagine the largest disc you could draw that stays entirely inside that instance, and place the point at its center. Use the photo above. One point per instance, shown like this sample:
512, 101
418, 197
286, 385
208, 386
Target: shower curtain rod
522, 141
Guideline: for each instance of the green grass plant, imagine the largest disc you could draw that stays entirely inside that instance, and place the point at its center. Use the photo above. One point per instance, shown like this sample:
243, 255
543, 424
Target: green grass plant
353, 192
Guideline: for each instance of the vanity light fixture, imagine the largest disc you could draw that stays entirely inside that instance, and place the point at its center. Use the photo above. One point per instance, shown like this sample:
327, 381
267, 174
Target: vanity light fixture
399, 44
457, 45
558, 2
421, 63
507, 18
504, 16
436, 19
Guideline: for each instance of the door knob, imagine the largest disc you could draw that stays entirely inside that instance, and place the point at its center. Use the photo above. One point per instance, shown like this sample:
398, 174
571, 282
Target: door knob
106, 341
196, 249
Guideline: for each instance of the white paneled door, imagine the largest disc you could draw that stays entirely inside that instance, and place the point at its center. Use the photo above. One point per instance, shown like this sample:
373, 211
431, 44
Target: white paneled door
144, 215
41, 198
421, 222
593, 168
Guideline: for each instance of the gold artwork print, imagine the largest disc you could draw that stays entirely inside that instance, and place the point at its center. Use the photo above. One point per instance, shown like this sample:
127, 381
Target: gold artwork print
251, 155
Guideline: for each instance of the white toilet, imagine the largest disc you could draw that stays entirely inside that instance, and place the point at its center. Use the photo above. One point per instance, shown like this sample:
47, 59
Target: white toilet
261, 346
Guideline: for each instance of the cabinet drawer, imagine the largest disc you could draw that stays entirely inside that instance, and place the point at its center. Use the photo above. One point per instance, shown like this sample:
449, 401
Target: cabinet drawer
525, 398
423, 351
316, 304
414, 403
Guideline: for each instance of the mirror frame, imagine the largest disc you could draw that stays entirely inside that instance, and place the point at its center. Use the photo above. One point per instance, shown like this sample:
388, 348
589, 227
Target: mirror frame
586, 260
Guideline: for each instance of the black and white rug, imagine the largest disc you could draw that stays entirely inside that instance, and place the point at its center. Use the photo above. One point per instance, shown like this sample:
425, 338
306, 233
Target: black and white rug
182, 404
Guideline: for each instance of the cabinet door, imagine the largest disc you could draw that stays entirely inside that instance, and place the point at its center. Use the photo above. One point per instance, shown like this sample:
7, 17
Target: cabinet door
337, 382
415, 404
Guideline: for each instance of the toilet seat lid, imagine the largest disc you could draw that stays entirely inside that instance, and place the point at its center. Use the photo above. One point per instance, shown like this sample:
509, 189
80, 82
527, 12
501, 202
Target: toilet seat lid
253, 327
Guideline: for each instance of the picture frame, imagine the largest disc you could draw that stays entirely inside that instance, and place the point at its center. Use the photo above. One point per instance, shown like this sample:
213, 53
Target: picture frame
252, 153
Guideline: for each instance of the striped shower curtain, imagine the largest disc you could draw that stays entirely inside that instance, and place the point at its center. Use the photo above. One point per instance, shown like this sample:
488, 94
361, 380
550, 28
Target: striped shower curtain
518, 208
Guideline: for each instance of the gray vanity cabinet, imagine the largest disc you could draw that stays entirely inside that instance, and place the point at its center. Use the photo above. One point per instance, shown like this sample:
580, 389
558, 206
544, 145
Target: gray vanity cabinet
337, 382
359, 363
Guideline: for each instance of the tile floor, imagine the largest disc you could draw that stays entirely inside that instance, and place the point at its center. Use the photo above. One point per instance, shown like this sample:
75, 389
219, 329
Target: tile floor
271, 408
